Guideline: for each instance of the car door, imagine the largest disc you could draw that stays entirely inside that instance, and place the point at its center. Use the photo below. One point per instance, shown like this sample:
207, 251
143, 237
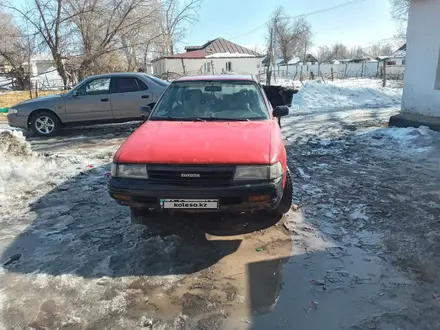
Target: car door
129, 94
90, 101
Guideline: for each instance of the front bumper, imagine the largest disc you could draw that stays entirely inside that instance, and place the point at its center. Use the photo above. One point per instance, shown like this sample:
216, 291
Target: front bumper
142, 193
15, 120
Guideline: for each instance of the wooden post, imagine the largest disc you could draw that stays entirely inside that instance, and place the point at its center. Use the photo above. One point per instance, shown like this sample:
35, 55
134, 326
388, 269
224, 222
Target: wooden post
362, 70
384, 73
212, 67
36, 88
346, 68
183, 67
331, 71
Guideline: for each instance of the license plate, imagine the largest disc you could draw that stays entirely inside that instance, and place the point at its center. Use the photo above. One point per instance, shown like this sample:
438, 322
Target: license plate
189, 203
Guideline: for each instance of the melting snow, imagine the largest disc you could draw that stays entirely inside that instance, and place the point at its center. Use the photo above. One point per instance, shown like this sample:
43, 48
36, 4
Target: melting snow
227, 54
321, 97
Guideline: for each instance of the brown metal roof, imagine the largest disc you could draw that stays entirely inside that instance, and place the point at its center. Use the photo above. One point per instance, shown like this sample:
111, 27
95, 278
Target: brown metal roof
215, 46
221, 45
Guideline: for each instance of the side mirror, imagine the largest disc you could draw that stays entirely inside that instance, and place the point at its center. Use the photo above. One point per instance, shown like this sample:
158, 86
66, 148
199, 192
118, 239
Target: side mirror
145, 111
280, 111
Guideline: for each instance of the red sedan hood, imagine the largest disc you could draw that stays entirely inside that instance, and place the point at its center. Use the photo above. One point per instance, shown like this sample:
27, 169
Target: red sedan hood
237, 142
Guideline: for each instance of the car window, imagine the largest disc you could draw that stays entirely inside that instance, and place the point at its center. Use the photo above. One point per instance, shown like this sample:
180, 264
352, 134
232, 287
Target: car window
158, 81
95, 87
211, 100
126, 85
142, 86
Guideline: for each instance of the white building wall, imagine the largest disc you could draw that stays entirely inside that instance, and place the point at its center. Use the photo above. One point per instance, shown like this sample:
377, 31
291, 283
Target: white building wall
421, 93
197, 66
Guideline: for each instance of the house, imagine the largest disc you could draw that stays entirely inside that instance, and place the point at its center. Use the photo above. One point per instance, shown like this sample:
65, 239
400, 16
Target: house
421, 91
310, 59
214, 57
399, 56
39, 64
5, 67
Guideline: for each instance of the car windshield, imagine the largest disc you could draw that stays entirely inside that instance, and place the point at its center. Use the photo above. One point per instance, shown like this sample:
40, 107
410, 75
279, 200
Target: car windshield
211, 100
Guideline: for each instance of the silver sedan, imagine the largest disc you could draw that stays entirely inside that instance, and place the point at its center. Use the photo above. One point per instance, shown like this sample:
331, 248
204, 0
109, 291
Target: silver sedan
107, 98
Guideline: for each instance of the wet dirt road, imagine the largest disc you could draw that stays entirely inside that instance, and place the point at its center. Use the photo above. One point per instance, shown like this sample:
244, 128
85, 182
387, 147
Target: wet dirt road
82, 265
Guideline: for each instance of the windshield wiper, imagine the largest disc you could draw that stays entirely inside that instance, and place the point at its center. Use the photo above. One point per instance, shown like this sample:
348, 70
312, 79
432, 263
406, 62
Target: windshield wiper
168, 118
224, 119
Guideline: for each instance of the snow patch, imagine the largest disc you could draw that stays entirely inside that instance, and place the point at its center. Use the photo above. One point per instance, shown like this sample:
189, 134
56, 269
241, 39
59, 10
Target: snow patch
321, 97
227, 54
24, 172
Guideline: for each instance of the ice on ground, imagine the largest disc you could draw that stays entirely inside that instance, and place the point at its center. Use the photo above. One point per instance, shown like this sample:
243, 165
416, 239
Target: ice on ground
409, 139
321, 97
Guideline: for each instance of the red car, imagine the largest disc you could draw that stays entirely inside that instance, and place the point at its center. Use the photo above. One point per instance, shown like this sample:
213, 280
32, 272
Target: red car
211, 143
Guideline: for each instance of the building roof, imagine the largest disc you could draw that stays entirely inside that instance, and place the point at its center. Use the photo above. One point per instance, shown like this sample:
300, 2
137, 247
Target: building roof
400, 53
217, 77
402, 48
219, 46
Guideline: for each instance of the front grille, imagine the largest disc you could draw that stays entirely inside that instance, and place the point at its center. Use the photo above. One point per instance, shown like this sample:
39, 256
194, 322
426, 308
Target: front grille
193, 176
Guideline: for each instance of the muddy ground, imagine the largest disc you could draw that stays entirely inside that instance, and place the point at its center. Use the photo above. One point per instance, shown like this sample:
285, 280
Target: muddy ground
361, 252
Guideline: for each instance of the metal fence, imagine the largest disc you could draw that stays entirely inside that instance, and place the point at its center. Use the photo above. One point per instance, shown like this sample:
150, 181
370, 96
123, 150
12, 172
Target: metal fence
302, 73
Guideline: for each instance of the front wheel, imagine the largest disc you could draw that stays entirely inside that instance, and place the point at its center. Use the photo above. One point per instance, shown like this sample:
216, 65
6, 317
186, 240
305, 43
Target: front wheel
45, 123
286, 200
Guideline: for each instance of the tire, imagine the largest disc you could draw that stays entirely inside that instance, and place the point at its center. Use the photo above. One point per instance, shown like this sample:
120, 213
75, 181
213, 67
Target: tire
45, 123
137, 214
286, 200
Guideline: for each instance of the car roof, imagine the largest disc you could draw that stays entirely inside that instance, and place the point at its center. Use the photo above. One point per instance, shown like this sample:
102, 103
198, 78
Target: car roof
119, 74
219, 77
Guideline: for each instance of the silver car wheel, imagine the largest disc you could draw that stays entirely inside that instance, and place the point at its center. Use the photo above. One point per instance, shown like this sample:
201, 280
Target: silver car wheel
44, 125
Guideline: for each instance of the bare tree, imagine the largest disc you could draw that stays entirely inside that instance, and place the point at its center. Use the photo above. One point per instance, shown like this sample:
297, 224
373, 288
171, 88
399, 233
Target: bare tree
175, 15
48, 19
380, 49
324, 54
339, 51
293, 36
400, 8
100, 26
15, 50
357, 52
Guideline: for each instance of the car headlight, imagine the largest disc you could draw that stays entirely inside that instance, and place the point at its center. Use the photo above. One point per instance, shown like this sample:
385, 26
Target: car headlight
129, 171
12, 111
258, 172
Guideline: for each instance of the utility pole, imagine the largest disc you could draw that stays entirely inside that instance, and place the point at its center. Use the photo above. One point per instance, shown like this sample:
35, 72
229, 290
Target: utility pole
271, 53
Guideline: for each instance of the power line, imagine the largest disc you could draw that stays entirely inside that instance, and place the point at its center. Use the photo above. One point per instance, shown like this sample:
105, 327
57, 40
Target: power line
345, 4
348, 3
249, 32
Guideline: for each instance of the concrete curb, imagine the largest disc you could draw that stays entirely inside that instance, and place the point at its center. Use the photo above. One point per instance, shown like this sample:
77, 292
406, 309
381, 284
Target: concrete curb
412, 120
